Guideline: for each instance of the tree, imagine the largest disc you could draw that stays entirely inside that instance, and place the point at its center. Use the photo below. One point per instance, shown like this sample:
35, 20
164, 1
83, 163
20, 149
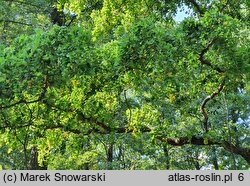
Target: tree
120, 85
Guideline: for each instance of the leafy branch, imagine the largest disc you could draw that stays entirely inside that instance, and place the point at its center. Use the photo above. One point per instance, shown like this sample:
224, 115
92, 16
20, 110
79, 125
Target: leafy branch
40, 97
24, 3
15, 22
244, 152
197, 6
180, 141
207, 62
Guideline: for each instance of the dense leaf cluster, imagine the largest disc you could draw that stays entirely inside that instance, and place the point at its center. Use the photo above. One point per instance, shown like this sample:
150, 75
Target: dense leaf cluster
121, 85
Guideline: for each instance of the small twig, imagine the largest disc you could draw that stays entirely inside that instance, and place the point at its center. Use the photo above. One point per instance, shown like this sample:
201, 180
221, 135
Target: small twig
224, 6
73, 17
41, 96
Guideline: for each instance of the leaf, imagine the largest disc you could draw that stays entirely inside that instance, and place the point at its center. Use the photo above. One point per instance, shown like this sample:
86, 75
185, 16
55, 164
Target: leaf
205, 141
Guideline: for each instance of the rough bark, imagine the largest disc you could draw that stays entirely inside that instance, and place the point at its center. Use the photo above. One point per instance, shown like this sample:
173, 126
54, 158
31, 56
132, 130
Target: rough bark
109, 156
179, 141
205, 101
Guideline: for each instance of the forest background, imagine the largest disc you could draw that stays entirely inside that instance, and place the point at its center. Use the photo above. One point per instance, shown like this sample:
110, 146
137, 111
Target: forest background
120, 84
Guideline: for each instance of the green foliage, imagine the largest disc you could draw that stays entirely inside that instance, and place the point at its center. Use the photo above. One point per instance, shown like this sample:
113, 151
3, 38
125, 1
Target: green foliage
113, 89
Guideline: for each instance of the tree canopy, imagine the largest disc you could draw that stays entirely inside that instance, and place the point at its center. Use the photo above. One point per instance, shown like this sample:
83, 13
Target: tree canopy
120, 84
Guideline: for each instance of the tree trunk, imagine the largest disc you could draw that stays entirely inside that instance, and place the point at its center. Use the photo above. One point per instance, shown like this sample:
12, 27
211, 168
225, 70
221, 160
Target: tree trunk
165, 149
109, 156
214, 159
34, 158
34, 165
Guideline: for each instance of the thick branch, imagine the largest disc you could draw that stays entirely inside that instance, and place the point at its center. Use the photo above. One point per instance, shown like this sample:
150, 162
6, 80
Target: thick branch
197, 6
186, 140
57, 126
15, 127
119, 130
15, 22
209, 44
203, 105
205, 61
95, 121
130, 130
208, 63
244, 152
181, 141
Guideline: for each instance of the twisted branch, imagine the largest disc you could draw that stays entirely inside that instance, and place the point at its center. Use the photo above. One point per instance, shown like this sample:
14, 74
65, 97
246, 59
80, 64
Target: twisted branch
203, 105
207, 62
180, 141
